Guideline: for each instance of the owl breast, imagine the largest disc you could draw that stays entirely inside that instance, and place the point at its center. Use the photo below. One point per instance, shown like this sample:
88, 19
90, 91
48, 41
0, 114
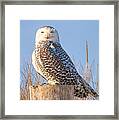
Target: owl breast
57, 64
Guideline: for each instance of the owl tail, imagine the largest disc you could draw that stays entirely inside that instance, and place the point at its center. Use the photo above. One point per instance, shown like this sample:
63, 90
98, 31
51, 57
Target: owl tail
84, 90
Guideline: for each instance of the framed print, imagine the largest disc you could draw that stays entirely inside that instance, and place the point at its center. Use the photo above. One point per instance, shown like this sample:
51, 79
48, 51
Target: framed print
59, 60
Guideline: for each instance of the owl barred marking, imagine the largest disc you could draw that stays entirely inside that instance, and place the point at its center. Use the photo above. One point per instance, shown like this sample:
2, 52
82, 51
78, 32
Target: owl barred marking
52, 62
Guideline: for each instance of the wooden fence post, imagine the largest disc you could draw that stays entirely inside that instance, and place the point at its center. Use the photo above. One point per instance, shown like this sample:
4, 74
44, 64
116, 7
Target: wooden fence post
52, 92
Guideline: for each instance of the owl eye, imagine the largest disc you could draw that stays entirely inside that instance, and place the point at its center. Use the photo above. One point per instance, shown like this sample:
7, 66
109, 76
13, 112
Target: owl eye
42, 31
52, 31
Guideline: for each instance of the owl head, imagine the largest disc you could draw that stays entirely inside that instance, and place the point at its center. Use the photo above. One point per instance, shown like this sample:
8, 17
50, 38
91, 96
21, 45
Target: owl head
47, 33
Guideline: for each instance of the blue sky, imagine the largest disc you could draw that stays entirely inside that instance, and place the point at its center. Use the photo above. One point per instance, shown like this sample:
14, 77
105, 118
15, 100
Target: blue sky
73, 35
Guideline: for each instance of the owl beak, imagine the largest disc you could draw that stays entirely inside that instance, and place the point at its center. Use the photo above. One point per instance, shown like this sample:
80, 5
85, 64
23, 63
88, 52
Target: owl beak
47, 36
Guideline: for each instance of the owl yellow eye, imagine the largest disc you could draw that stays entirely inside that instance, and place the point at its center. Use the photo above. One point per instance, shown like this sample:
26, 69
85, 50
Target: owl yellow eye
42, 31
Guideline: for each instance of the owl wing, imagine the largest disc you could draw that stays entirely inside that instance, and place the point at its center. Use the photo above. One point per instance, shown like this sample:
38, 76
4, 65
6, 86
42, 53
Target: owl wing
58, 64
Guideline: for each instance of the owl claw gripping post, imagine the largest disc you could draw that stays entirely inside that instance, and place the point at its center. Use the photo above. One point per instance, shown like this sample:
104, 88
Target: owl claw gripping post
52, 62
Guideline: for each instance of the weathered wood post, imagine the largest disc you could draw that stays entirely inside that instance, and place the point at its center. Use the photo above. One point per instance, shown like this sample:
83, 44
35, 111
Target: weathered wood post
52, 92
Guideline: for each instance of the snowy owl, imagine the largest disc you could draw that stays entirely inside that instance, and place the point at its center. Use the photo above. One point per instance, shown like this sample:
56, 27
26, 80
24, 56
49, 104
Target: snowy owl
52, 62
